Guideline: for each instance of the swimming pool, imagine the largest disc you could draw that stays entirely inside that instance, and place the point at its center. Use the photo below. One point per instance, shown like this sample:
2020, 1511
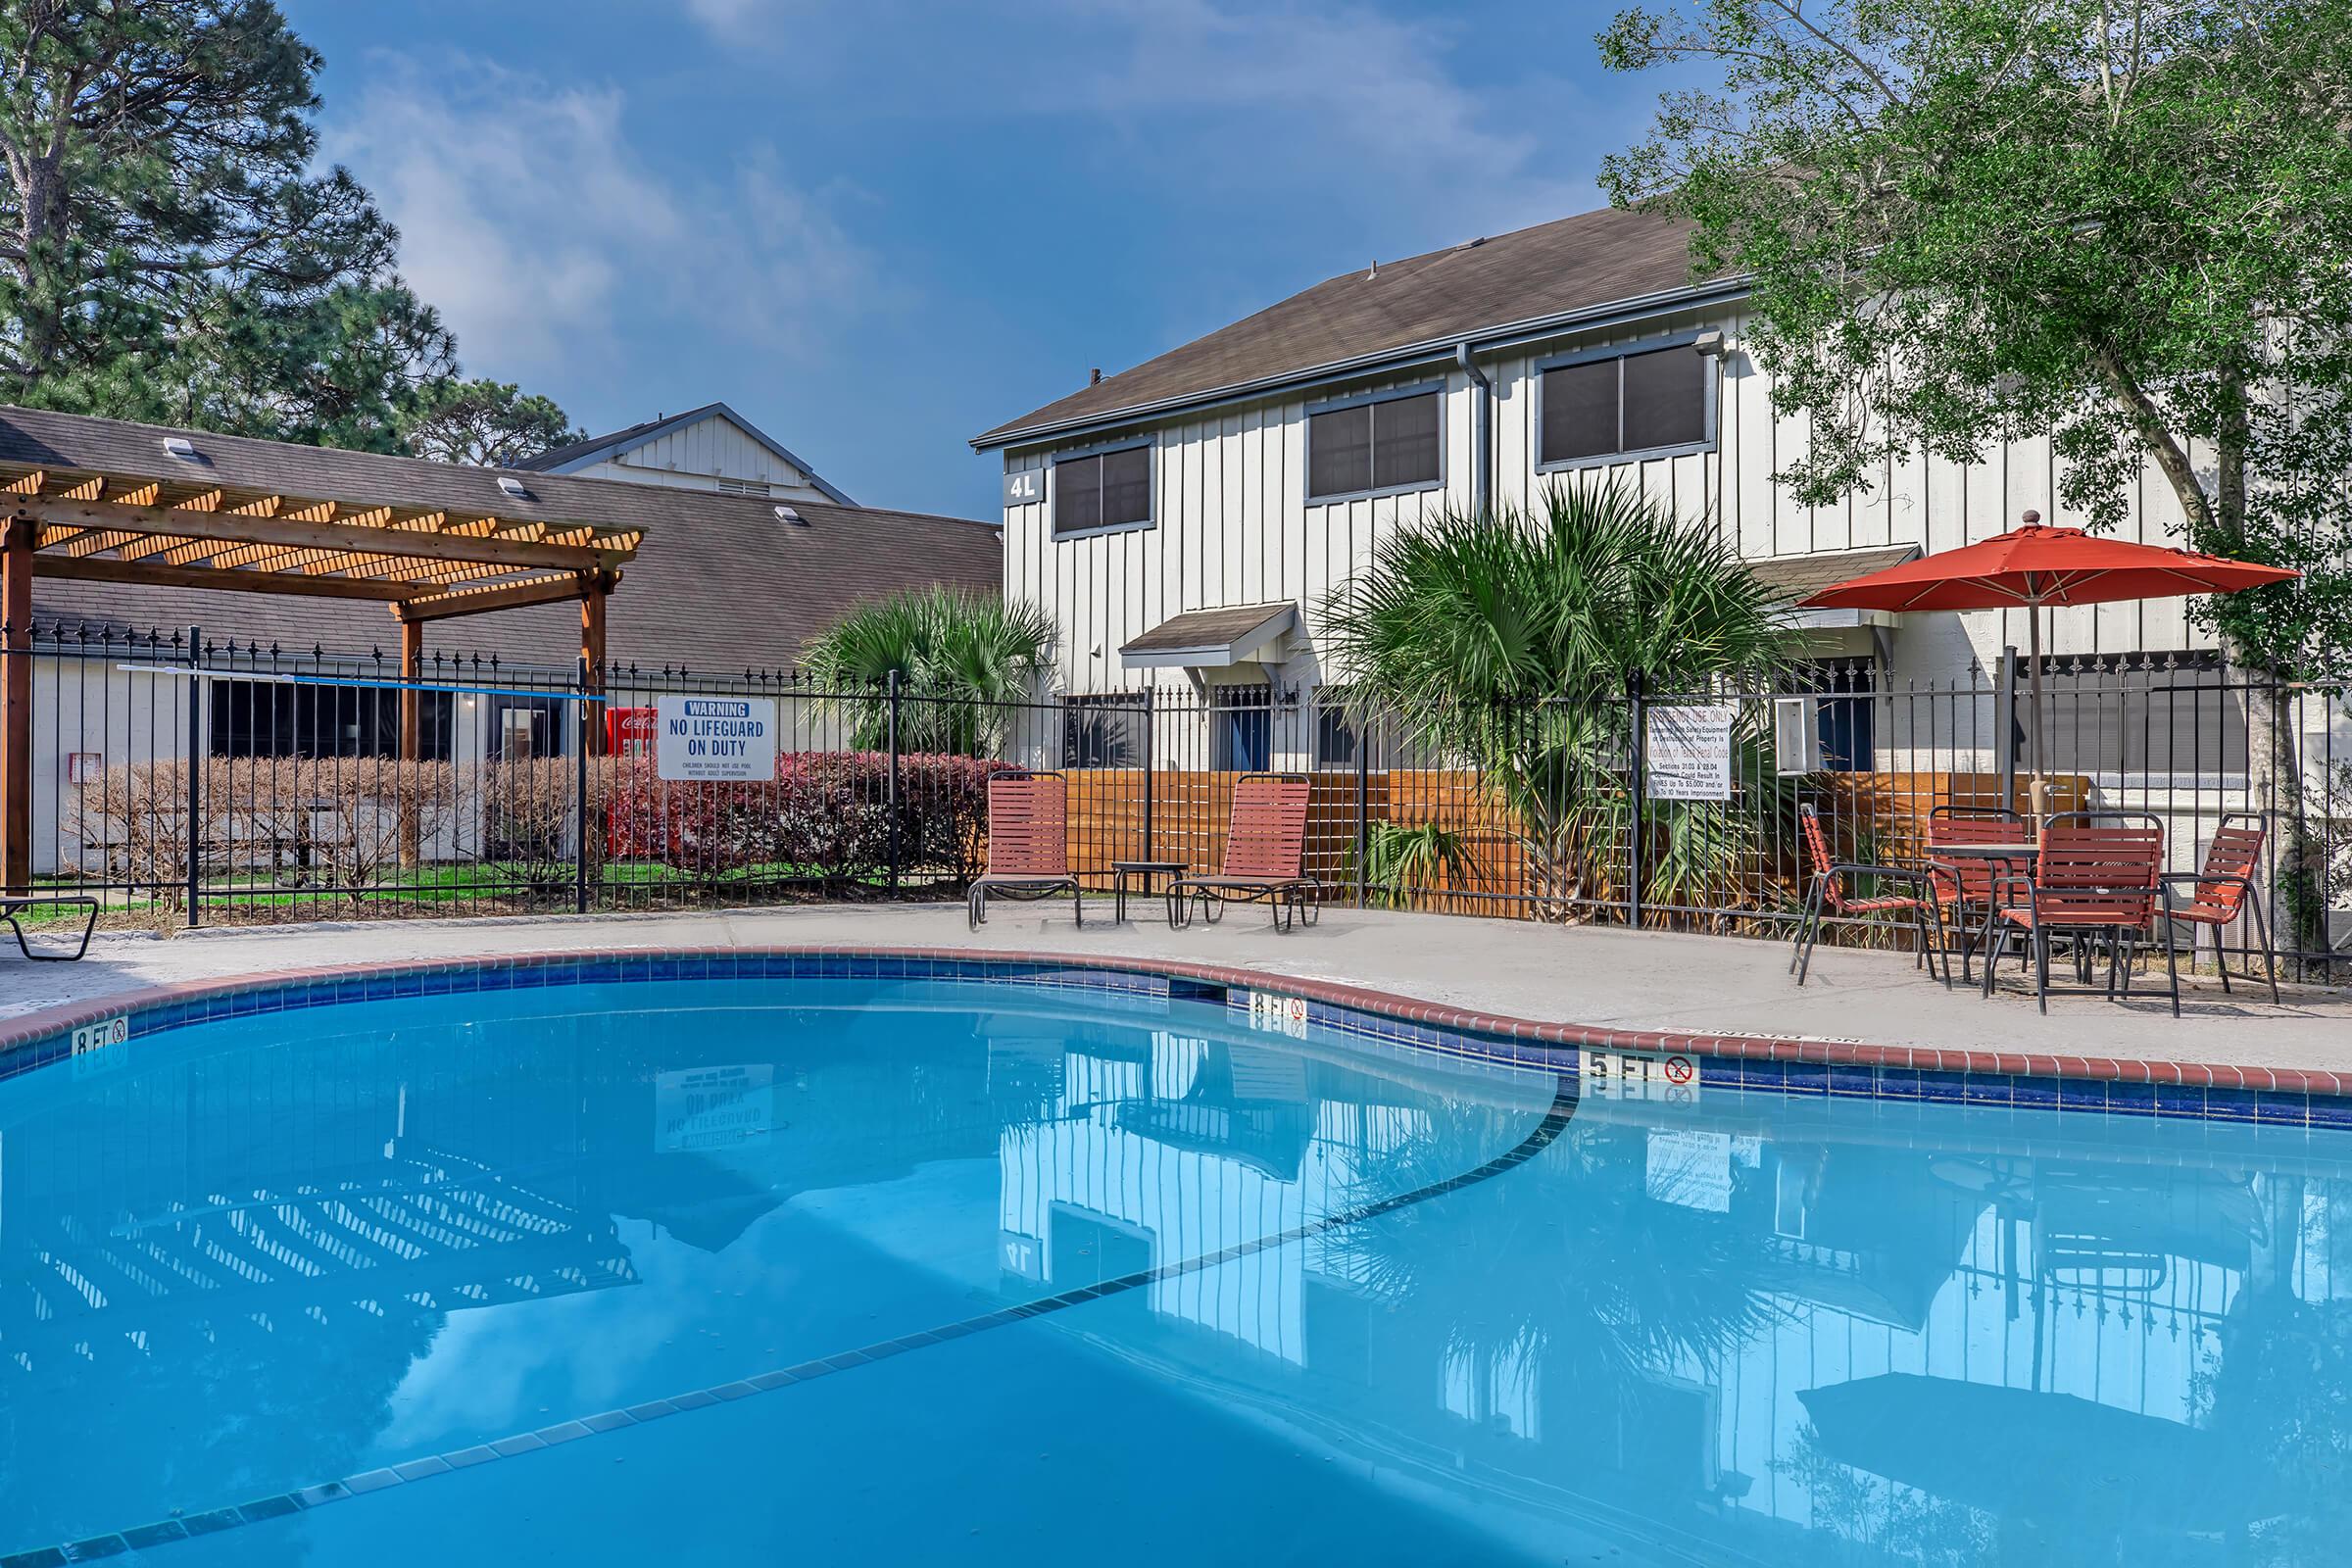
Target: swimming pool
1043, 1268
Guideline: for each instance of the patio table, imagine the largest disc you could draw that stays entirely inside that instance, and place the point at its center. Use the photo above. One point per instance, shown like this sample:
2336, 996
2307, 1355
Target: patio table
1141, 872
2002, 855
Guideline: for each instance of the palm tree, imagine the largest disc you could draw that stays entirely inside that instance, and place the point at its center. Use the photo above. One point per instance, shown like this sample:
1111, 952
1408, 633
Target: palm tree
964, 661
1507, 640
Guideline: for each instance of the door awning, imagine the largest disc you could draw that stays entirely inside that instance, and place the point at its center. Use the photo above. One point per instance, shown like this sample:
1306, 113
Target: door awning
1212, 639
1792, 579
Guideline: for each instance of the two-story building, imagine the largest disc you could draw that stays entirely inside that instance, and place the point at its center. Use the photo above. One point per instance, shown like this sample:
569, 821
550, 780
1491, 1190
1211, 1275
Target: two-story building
1188, 517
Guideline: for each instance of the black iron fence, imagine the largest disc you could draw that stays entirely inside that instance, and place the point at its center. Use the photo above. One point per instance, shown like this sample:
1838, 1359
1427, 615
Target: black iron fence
183, 779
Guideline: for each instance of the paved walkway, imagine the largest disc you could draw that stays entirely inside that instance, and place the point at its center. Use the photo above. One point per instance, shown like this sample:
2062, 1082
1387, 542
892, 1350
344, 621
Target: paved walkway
1581, 976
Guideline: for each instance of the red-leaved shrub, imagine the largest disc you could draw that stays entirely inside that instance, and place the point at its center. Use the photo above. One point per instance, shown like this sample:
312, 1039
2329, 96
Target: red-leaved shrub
828, 815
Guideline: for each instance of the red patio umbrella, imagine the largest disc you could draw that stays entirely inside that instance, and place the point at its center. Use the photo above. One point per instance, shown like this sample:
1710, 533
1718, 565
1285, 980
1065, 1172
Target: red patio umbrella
2032, 567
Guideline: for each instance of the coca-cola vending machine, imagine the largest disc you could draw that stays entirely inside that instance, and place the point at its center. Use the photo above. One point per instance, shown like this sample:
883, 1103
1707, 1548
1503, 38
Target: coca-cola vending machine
629, 738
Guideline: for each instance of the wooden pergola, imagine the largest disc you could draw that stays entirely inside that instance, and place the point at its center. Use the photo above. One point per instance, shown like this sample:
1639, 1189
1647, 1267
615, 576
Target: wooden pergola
253, 516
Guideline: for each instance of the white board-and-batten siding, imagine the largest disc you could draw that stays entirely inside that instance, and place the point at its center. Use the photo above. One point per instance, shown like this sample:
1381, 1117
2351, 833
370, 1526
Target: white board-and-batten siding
697, 456
1232, 525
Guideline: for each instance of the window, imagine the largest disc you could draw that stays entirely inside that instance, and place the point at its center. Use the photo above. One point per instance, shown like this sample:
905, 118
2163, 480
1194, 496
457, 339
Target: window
275, 718
1341, 734
1105, 730
526, 727
2161, 713
1374, 447
1621, 404
1241, 733
1103, 490
1848, 707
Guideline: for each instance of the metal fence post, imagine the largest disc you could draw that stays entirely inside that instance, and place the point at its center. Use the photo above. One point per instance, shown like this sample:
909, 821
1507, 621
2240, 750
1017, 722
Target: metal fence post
196, 755
579, 794
1363, 806
894, 781
1640, 791
2005, 726
1149, 725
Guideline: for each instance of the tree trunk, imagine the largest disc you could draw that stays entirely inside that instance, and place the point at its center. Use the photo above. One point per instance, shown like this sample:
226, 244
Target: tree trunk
2275, 782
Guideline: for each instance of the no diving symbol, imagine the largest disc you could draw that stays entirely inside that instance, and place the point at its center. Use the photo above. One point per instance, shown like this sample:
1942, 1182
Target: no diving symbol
1679, 1070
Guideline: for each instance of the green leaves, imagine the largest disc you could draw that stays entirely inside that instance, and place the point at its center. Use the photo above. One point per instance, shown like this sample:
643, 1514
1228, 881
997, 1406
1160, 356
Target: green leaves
2126, 227
961, 658
1508, 640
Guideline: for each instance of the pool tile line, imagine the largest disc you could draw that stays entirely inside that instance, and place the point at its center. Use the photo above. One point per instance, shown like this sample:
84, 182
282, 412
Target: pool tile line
279, 1506
2312, 1097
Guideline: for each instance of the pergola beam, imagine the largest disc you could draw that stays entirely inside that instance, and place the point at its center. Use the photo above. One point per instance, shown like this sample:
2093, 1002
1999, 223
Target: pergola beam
515, 596
235, 528
93, 568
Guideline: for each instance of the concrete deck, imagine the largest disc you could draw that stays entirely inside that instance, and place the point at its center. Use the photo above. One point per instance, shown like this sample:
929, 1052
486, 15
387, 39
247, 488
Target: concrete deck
1606, 977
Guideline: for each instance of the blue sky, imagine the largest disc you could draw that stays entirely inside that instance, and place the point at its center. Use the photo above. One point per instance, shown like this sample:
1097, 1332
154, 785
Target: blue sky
880, 227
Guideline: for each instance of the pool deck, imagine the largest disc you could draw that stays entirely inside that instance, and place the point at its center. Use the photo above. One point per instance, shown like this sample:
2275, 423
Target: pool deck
1604, 978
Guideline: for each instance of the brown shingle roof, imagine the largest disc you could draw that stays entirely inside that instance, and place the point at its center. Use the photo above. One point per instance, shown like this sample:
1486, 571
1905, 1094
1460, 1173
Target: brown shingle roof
1552, 270
1196, 629
1796, 577
720, 582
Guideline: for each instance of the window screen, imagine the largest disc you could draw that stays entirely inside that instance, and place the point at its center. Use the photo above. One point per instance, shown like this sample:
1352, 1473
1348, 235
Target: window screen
2143, 713
1580, 411
1109, 490
1338, 452
1388, 445
1665, 399
1633, 403
1404, 442
1127, 486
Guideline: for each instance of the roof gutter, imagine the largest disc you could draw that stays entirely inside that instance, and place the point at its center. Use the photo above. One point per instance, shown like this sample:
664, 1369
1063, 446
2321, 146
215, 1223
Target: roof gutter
1433, 350
1482, 427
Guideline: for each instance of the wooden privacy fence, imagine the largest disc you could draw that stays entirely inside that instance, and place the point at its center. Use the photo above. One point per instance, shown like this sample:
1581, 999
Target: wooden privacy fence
1127, 815
1187, 813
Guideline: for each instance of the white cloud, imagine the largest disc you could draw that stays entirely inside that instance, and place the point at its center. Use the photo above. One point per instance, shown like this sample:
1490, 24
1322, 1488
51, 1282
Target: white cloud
529, 218
1328, 97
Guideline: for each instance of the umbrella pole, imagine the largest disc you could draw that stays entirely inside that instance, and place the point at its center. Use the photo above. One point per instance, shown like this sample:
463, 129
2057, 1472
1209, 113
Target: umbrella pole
2037, 788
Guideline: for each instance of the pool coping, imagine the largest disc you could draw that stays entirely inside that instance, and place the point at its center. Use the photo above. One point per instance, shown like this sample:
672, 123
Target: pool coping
1789, 1063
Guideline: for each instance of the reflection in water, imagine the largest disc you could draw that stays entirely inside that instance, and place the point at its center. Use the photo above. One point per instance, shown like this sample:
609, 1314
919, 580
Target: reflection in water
1752, 1329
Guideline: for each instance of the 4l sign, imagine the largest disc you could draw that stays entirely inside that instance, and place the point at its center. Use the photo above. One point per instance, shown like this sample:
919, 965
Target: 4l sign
705, 739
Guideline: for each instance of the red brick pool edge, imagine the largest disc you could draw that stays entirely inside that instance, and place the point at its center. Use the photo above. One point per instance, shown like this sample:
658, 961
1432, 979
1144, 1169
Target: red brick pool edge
53, 1021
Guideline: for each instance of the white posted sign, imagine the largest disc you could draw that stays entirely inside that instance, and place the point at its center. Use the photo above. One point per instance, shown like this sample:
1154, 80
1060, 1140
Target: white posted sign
714, 738
1689, 756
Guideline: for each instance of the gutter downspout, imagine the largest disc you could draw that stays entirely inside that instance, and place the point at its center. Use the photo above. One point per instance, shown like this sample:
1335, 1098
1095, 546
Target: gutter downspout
1482, 465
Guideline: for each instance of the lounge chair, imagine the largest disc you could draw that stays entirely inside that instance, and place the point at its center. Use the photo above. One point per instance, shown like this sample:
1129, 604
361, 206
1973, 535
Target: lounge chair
1828, 896
1265, 848
13, 906
2097, 874
1028, 845
2223, 890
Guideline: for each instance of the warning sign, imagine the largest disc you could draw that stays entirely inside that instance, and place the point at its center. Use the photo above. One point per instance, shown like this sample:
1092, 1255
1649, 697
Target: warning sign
1688, 755
715, 738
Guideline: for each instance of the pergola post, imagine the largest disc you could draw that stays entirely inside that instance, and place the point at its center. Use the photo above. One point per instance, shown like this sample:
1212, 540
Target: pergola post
412, 744
16, 706
596, 586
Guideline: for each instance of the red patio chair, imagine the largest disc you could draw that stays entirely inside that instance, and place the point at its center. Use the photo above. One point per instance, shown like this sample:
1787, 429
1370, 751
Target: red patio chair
2225, 889
2097, 874
1265, 851
1028, 845
1827, 894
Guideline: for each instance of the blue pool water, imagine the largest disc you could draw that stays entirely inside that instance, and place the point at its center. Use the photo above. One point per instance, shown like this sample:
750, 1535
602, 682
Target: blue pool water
834, 1271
